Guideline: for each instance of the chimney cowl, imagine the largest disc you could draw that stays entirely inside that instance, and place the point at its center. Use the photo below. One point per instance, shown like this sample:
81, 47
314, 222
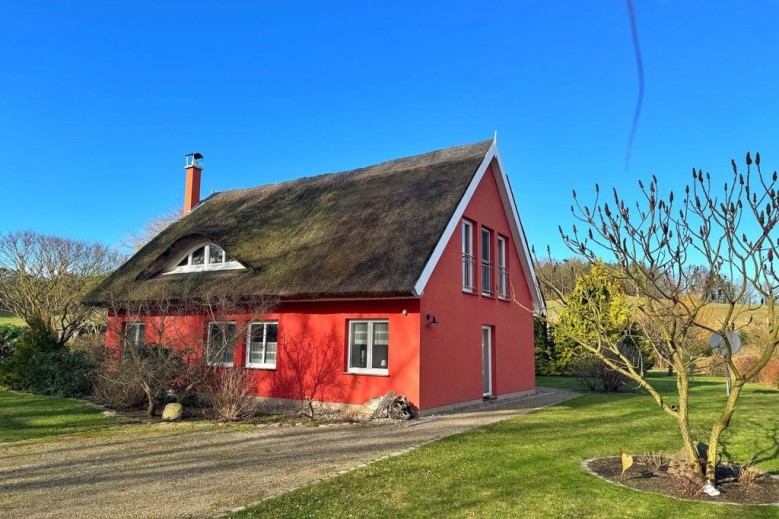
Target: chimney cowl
193, 160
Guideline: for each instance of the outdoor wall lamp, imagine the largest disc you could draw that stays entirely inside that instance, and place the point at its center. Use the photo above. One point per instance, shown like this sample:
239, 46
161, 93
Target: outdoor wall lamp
431, 320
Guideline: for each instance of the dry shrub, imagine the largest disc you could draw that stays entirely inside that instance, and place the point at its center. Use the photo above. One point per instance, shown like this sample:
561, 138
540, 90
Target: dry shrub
110, 390
655, 461
768, 376
748, 475
232, 398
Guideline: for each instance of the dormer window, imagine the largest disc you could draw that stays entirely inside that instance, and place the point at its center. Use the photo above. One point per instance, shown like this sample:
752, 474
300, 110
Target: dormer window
204, 257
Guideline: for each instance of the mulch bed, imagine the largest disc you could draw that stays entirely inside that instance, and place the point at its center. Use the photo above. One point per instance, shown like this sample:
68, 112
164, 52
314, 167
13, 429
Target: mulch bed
642, 477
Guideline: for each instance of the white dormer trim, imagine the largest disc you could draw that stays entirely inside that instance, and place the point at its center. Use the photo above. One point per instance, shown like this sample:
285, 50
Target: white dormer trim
224, 262
517, 231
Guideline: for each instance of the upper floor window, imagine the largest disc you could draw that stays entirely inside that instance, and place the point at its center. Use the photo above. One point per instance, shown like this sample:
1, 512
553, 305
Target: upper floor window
220, 343
261, 348
369, 347
467, 241
486, 262
503, 271
204, 257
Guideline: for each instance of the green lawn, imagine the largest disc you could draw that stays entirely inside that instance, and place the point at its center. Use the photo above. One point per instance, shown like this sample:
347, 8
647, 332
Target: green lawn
24, 416
530, 466
9, 318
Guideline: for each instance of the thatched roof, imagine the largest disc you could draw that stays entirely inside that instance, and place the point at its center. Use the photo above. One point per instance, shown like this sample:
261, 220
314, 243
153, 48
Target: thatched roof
362, 233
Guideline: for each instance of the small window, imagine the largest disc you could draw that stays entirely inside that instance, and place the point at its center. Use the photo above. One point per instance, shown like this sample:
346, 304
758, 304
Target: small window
262, 343
369, 347
134, 335
220, 344
467, 242
205, 257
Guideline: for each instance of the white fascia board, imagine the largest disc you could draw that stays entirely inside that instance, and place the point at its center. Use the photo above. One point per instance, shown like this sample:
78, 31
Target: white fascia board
520, 241
454, 221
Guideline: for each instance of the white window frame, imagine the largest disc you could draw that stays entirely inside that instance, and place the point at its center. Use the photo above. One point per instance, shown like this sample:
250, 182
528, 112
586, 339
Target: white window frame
175, 268
486, 263
226, 324
503, 271
468, 259
137, 326
265, 364
369, 362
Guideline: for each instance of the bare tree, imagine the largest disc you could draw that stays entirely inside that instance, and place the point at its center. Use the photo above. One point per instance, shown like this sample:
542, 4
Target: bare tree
45, 278
732, 231
137, 239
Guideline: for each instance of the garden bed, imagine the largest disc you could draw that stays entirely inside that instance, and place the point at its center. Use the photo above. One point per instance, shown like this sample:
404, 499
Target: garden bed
651, 478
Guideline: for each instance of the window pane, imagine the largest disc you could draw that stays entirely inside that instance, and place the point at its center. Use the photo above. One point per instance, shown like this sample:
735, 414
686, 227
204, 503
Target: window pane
215, 255
184, 262
359, 346
229, 343
215, 347
271, 339
380, 350
256, 344
135, 334
199, 256
485, 244
228, 257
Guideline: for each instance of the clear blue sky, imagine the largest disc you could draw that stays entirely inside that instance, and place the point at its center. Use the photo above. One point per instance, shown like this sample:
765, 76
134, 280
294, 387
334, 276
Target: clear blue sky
99, 101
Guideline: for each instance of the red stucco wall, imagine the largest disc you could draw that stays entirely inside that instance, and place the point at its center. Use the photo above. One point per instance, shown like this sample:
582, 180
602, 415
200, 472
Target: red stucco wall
451, 366
313, 348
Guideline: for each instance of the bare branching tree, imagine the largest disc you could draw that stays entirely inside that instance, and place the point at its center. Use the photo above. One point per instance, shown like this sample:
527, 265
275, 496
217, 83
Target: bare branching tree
45, 277
137, 239
731, 230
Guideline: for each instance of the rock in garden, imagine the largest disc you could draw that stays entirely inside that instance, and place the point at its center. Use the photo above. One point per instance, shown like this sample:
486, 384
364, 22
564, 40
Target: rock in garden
172, 412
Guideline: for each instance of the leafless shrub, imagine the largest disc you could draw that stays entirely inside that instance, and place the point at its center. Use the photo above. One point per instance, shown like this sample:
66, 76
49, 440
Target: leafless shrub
232, 399
655, 461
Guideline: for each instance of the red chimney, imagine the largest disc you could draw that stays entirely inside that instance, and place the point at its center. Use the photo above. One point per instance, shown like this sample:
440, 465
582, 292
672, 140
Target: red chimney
194, 167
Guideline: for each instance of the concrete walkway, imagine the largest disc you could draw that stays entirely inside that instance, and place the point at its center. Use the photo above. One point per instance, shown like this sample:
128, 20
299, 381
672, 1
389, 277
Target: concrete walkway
169, 470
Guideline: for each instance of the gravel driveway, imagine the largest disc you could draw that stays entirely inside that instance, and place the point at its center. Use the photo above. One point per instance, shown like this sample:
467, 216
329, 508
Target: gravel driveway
181, 470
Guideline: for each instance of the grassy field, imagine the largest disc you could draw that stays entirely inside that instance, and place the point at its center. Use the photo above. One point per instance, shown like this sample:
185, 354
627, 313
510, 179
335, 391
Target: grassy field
24, 416
9, 318
530, 466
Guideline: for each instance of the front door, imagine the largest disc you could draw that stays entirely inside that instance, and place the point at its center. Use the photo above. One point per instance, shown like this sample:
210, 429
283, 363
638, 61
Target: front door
486, 360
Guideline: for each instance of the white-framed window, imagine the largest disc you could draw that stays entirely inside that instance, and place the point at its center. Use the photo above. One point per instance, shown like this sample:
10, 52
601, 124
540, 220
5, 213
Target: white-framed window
467, 241
503, 271
220, 343
205, 256
261, 345
486, 261
134, 335
369, 347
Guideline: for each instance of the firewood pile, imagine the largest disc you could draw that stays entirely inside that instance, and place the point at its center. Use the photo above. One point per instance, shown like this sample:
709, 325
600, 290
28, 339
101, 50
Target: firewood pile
391, 406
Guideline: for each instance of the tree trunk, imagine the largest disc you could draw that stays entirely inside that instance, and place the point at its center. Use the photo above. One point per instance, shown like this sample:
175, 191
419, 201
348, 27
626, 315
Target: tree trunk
716, 430
150, 404
683, 417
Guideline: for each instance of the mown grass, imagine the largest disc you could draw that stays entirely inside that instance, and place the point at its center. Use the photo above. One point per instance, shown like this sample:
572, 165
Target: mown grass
530, 466
25, 416
9, 318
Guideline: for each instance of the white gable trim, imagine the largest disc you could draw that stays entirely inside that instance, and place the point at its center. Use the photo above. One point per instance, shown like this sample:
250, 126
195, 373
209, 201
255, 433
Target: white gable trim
517, 231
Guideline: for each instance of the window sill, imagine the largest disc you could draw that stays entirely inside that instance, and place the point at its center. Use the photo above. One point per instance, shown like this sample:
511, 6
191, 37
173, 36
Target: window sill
469, 291
504, 298
221, 365
488, 294
264, 367
370, 373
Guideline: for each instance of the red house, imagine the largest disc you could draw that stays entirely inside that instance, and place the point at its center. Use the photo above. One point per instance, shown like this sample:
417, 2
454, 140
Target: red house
412, 275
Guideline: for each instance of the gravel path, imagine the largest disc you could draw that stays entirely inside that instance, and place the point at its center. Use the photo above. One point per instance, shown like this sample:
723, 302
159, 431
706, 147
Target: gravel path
172, 470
